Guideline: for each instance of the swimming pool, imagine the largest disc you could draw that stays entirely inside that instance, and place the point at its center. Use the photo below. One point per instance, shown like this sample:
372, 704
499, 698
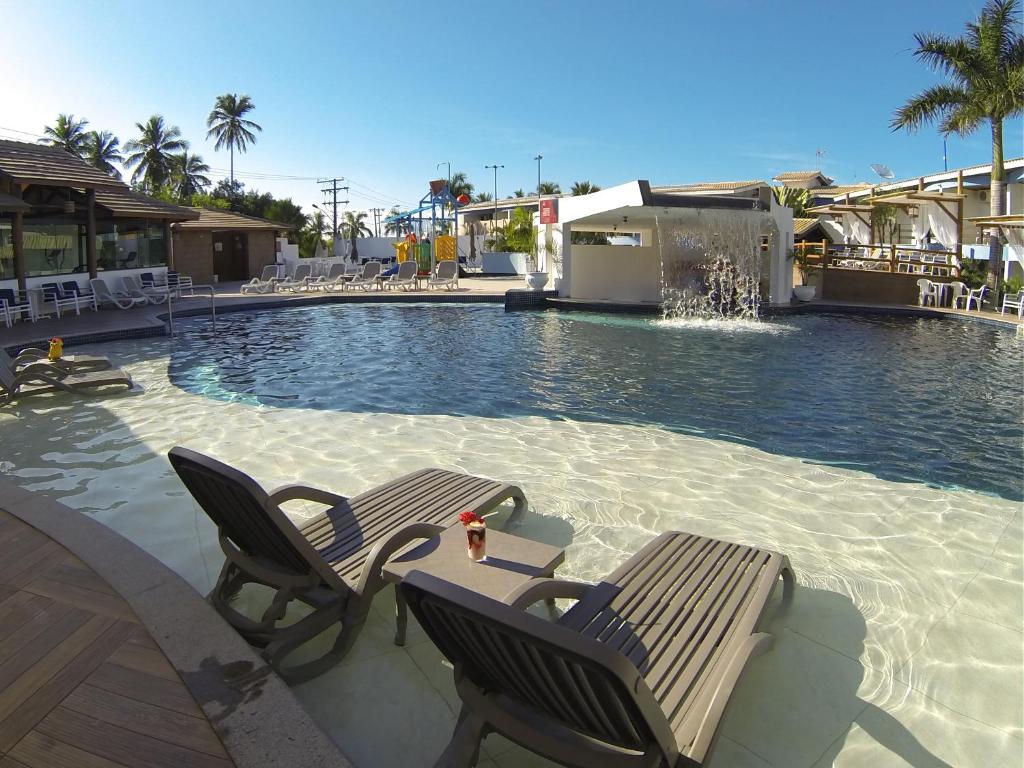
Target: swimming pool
922, 400
851, 444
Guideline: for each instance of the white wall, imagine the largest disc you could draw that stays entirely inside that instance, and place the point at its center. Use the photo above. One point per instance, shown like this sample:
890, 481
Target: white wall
615, 273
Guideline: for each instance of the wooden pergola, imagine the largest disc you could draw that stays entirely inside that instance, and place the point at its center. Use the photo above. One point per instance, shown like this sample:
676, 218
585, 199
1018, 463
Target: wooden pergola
950, 203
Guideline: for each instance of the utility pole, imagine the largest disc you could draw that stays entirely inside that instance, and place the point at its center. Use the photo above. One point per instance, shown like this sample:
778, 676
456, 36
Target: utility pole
376, 220
538, 158
494, 222
330, 186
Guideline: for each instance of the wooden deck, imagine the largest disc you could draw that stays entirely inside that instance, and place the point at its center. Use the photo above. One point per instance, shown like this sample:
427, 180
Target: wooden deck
82, 684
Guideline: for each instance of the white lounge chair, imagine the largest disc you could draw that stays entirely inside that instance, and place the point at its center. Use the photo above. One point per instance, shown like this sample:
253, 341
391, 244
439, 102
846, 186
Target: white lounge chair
369, 278
104, 295
298, 280
133, 286
43, 378
332, 281
265, 283
1013, 301
446, 275
927, 291
405, 277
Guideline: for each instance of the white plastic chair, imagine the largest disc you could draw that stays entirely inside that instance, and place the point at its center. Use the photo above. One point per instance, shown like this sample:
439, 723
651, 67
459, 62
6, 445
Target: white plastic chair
976, 296
1013, 301
927, 290
959, 291
12, 307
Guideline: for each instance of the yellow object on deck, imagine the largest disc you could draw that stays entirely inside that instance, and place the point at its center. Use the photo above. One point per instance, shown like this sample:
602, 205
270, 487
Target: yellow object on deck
444, 248
401, 250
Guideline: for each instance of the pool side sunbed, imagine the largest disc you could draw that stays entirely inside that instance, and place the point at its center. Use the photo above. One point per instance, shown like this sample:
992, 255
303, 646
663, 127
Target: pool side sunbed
42, 378
68, 363
637, 673
333, 562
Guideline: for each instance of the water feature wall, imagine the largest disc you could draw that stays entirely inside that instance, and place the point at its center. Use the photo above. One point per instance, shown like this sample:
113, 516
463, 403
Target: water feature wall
714, 263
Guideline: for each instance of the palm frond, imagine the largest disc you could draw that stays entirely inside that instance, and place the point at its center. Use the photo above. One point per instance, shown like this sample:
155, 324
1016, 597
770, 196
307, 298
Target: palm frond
931, 105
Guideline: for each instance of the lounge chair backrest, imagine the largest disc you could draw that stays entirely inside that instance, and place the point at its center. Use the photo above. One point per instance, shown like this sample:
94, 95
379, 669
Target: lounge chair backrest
406, 270
7, 384
269, 273
371, 269
337, 270
576, 681
447, 269
302, 271
99, 288
244, 513
51, 291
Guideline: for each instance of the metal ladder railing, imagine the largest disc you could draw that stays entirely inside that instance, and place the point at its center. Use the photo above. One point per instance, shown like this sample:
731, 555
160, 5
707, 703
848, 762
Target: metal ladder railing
193, 288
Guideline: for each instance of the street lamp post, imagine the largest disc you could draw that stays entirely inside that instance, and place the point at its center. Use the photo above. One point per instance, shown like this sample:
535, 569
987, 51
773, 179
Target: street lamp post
538, 158
494, 222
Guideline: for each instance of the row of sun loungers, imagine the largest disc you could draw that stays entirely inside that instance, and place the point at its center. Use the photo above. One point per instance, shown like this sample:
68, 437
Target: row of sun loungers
445, 275
636, 673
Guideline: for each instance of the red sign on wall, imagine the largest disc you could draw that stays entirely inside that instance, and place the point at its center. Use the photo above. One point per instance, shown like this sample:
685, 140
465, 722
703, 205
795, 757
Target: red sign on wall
549, 211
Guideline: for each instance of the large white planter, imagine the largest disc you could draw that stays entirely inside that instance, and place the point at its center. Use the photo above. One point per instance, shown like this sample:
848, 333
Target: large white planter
803, 292
536, 281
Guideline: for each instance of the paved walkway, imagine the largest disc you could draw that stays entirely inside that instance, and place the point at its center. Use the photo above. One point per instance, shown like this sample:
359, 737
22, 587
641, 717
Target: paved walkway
81, 681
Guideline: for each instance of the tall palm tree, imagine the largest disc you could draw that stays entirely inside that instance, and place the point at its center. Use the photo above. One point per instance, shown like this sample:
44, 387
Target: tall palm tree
352, 227
188, 174
985, 84
313, 233
227, 123
460, 185
67, 133
583, 188
101, 150
549, 188
151, 155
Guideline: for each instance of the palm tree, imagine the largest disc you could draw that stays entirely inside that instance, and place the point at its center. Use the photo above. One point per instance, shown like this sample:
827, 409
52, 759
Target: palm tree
313, 233
352, 227
152, 153
549, 188
797, 199
985, 84
67, 133
483, 197
459, 185
188, 174
583, 188
101, 150
399, 227
519, 193
227, 122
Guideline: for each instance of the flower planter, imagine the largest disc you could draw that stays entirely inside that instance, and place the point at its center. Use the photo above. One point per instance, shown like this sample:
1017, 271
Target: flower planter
536, 281
803, 292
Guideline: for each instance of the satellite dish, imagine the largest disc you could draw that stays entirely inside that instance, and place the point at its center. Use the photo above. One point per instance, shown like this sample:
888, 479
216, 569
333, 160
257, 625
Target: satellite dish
883, 171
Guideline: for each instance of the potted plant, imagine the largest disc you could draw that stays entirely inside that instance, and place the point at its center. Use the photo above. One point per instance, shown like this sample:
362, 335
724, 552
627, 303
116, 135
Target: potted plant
804, 291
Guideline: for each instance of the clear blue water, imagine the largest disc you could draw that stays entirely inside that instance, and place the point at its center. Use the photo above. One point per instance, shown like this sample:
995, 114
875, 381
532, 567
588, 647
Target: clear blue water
934, 401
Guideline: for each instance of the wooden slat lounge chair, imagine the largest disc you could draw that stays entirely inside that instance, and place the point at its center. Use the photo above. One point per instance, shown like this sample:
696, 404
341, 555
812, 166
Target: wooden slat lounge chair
42, 378
333, 562
637, 673
68, 364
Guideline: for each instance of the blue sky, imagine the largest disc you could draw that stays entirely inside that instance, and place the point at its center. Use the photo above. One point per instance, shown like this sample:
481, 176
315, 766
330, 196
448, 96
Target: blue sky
381, 92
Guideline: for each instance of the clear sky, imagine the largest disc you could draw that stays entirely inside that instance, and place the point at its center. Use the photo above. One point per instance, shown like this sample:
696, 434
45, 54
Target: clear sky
381, 92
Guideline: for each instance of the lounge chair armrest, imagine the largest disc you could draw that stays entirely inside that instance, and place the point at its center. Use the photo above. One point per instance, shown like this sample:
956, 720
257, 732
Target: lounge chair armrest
753, 646
536, 590
371, 578
308, 493
42, 368
28, 354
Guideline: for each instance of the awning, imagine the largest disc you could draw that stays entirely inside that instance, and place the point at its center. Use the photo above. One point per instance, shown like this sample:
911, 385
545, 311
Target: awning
10, 203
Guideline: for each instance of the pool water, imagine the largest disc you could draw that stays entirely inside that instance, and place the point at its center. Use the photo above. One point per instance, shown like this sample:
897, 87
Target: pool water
922, 400
883, 456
